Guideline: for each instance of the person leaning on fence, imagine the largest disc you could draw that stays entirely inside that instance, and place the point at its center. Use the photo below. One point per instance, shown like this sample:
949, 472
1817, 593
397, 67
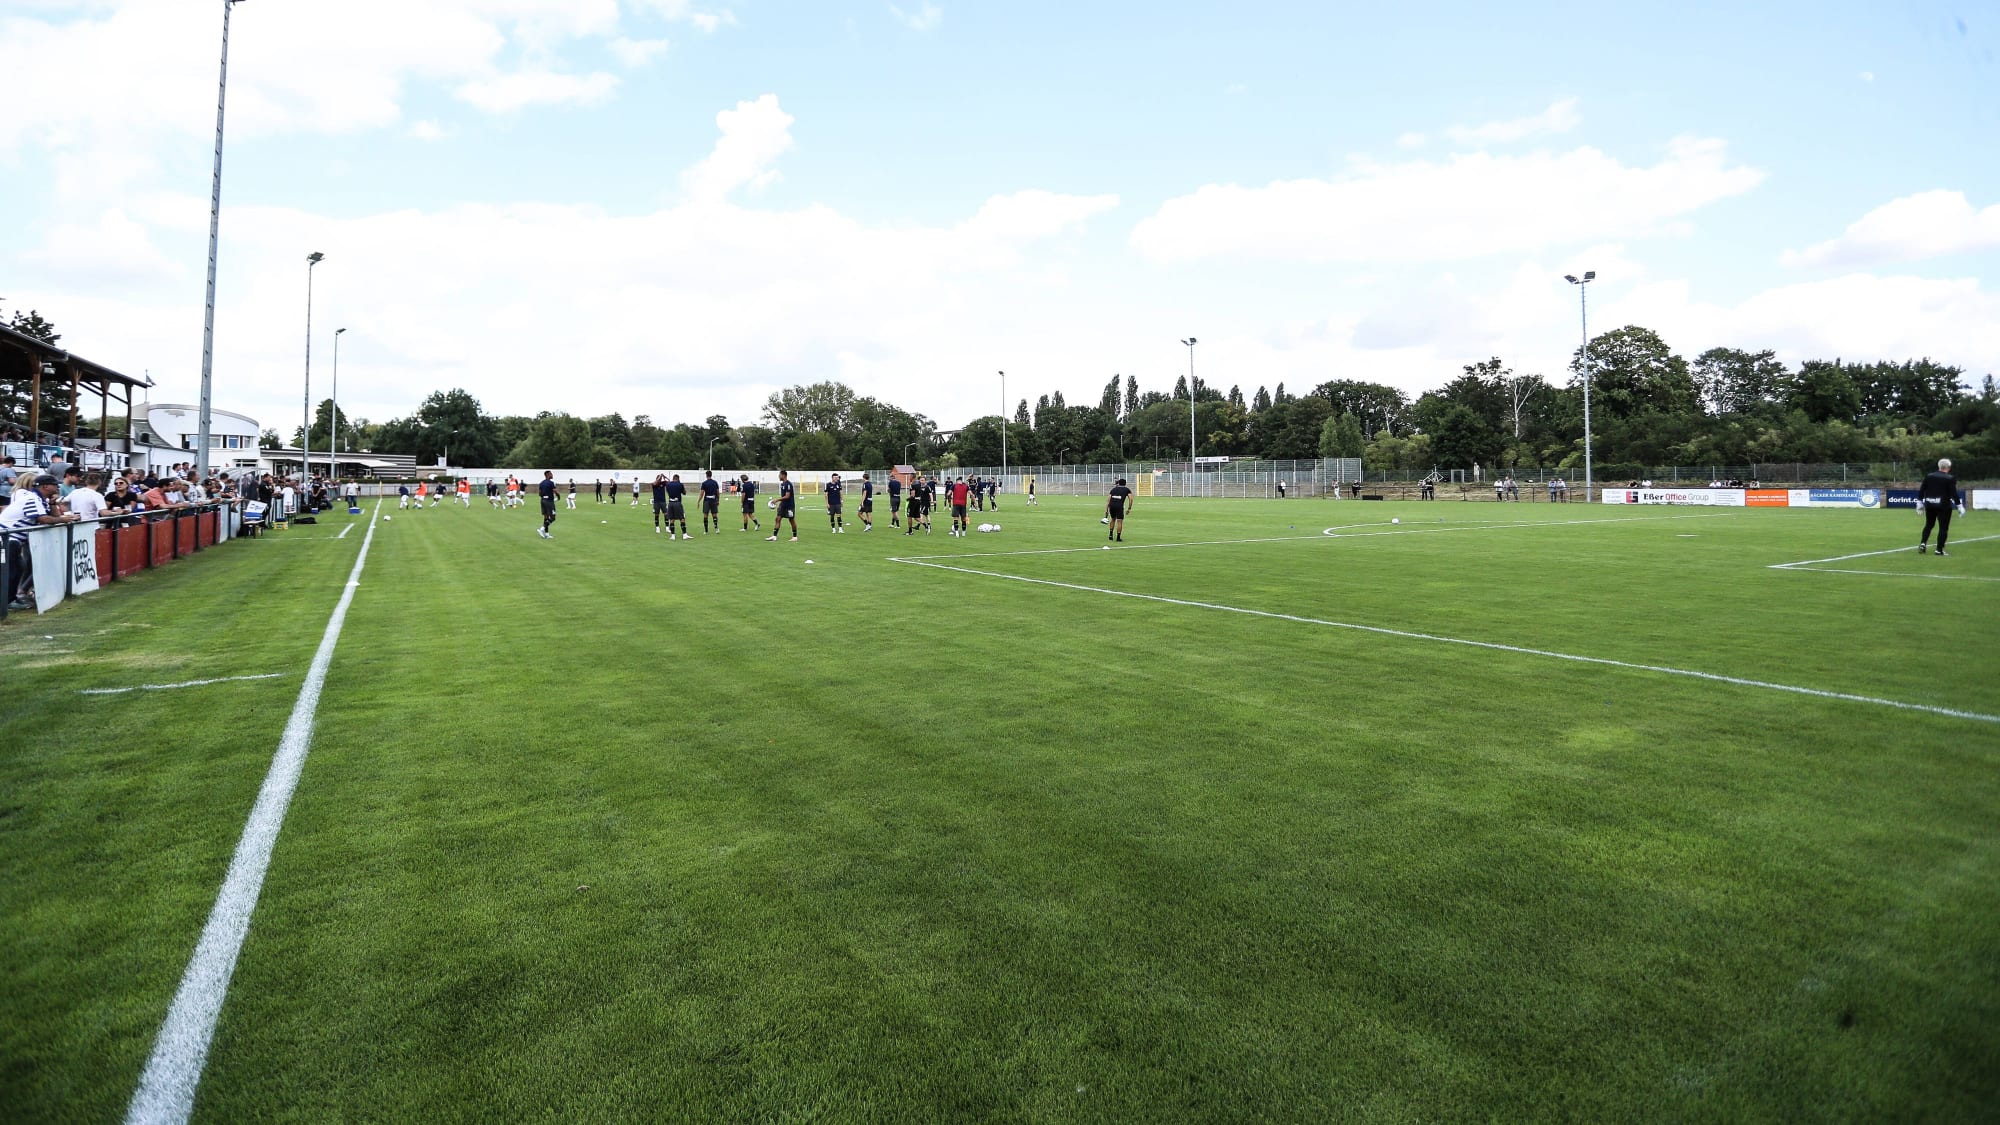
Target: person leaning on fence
32, 507
1939, 496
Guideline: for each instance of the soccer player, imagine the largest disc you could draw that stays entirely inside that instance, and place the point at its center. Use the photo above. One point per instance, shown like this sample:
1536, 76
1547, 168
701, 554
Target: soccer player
834, 499
635, 492
660, 504
916, 507
711, 503
548, 502
464, 494
403, 496
1938, 495
676, 494
513, 492
960, 490
867, 503
787, 509
978, 488
599, 490
748, 489
895, 500
572, 494
1032, 502
1116, 504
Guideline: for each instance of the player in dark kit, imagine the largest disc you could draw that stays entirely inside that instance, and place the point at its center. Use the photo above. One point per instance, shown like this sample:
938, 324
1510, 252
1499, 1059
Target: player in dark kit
548, 502
788, 500
711, 503
676, 514
915, 511
834, 491
1115, 506
895, 500
867, 503
748, 489
1939, 496
659, 503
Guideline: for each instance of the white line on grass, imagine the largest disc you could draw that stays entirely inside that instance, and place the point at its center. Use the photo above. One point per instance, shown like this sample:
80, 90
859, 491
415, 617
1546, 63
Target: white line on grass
1896, 574
344, 531
167, 1086
170, 687
1806, 563
1497, 525
1489, 645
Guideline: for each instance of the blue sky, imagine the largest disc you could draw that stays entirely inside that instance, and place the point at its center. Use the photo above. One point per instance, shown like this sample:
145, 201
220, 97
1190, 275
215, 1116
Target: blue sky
672, 208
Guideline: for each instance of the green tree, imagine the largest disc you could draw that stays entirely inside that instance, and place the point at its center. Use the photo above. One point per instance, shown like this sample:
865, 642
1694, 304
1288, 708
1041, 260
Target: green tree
1340, 436
563, 441
1462, 439
819, 408
814, 450
1634, 371
1823, 392
1733, 381
979, 442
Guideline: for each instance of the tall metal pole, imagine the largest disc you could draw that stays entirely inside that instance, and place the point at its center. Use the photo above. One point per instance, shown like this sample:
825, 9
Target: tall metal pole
1190, 342
333, 436
214, 226
1583, 307
305, 431
1003, 423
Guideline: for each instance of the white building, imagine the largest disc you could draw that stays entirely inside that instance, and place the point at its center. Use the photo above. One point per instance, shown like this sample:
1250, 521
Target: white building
171, 430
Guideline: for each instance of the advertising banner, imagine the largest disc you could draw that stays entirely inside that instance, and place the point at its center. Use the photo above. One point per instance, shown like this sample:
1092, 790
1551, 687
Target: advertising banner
1836, 498
1708, 497
48, 555
1900, 498
1987, 499
1767, 498
83, 561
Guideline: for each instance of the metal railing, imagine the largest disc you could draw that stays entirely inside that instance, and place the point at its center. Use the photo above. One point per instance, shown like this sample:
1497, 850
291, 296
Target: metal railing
102, 550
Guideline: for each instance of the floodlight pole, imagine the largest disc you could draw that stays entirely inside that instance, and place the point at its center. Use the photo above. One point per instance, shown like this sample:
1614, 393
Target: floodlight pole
1190, 341
1583, 304
305, 433
214, 226
1003, 423
711, 451
333, 435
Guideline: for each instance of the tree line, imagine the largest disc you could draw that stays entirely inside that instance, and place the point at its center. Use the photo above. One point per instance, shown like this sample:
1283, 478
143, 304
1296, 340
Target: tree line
1649, 406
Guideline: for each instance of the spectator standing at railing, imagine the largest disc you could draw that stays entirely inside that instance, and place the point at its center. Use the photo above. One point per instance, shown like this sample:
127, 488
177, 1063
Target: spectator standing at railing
32, 507
7, 477
85, 501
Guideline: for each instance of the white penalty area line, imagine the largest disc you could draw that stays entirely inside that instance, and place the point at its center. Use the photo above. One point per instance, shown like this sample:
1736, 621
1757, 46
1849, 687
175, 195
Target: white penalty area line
1808, 564
1342, 531
167, 1086
1493, 646
170, 687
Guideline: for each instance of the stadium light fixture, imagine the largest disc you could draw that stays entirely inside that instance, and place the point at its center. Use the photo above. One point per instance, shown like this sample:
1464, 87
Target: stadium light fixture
906, 454
332, 466
1190, 342
711, 451
305, 430
1583, 305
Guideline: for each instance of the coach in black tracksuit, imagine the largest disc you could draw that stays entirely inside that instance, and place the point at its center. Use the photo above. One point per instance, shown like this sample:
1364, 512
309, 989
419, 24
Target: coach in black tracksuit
1938, 495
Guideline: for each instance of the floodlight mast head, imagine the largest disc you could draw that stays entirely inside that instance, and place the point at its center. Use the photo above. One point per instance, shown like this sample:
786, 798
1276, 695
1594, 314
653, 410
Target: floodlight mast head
315, 257
1570, 277
1590, 275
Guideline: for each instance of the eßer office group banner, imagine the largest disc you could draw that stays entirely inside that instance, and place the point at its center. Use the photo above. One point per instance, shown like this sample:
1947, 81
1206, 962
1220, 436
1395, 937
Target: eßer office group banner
1751, 497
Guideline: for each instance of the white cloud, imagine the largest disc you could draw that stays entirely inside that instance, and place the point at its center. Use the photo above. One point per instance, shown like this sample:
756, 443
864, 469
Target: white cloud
926, 18
1924, 225
637, 52
1868, 76
1558, 118
506, 93
754, 135
427, 131
684, 11
114, 250
1410, 140
1465, 206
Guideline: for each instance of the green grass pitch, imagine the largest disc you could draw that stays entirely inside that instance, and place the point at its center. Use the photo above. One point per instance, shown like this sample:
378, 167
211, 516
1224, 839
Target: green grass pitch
614, 827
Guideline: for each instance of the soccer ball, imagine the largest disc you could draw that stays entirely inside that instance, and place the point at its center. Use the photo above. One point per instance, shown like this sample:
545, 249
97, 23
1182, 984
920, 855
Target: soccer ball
1396, 521
809, 562
771, 503
386, 519
1106, 519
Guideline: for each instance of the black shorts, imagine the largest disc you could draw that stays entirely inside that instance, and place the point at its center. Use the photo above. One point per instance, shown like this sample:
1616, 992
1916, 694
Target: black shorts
787, 509
958, 509
833, 507
868, 505
674, 510
549, 506
1117, 511
749, 504
710, 505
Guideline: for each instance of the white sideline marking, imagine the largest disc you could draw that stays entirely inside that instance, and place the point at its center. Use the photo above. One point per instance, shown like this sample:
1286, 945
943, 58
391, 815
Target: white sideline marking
170, 687
1489, 645
167, 1086
1383, 529
1897, 574
1805, 563
344, 531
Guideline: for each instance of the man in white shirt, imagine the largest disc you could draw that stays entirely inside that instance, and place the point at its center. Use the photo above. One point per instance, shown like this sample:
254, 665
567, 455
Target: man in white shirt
86, 502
